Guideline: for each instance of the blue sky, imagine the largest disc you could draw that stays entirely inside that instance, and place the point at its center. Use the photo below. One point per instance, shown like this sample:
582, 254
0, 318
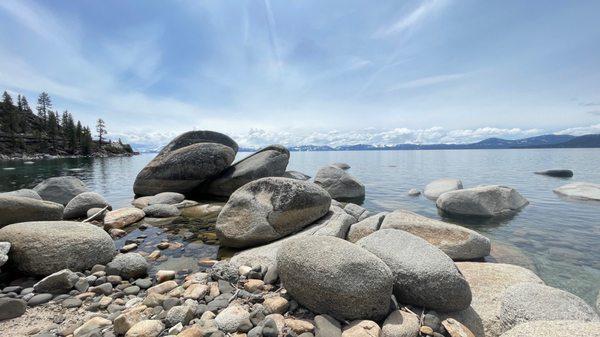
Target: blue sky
311, 72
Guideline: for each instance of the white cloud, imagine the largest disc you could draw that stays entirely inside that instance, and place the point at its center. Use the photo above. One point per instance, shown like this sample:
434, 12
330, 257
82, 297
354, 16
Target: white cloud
412, 19
427, 81
580, 130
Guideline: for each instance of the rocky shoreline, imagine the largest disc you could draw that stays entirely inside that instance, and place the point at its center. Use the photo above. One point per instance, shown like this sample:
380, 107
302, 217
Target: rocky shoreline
283, 256
42, 156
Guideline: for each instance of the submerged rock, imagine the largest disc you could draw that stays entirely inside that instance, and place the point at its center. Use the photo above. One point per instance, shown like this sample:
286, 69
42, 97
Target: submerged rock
559, 173
563, 328
60, 189
186, 162
80, 204
161, 211
340, 185
166, 198
458, 242
23, 193
482, 201
580, 190
123, 217
45, 247
527, 302
413, 192
440, 186
333, 276
423, 274
268, 162
21, 209
268, 209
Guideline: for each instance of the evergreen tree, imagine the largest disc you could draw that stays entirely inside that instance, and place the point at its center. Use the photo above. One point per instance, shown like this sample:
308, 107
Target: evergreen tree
25, 105
44, 105
101, 129
7, 100
87, 142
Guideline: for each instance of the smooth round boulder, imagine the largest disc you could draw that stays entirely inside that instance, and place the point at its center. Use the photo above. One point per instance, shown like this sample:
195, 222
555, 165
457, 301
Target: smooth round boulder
23, 193
21, 209
268, 209
80, 204
526, 302
401, 324
45, 247
342, 166
481, 201
186, 162
123, 217
165, 198
555, 329
340, 185
440, 186
60, 189
558, 173
161, 211
423, 274
332, 276
580, 191
458, 242
270, 161
128, 266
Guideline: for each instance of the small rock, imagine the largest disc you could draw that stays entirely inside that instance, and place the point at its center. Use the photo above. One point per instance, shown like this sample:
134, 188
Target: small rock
456, 329
276, 305
39, 299
364, 328
299, 326
327, 326
129, 247
129, 265
195, 291
400, 324
234, 318
146, 328
165, 275
254, 285
179, 314
93, 324
57, 283
71, 303
11, 308
163, 287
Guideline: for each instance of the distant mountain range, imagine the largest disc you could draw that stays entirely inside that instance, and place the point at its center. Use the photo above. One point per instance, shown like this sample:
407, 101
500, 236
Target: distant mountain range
544, 141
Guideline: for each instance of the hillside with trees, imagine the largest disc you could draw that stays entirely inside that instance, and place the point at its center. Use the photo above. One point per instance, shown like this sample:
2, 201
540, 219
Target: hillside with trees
25, 133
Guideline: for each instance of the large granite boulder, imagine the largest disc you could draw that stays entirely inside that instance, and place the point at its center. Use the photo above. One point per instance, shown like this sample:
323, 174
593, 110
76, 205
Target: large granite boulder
268, 209
24, 193
488, 283
21, 209
580, 191
555, 329
423, 274
340, 185
44, 247
335, 277
268, 162
440, 186
458, 242
60, 189
526, 302
186, 162
559, 173
78, 206
482, 201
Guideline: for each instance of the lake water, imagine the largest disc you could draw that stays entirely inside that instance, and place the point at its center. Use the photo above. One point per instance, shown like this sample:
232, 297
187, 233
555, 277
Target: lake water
559, 239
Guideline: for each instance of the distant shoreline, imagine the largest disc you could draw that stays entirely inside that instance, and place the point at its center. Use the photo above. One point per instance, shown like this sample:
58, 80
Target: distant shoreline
40, 156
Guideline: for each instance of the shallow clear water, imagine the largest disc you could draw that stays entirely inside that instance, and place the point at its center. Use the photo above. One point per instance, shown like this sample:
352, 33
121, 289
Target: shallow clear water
558, 238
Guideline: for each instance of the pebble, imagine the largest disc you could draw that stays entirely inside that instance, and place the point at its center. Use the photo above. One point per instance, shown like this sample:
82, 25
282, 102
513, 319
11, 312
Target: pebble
72, 303
165, 275
143, 283
426, 330
254, 285
146, 328
131, 290
39, 299
275, 305
129, 247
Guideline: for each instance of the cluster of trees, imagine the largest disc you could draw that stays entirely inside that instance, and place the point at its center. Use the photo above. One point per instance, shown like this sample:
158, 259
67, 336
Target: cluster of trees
49, 130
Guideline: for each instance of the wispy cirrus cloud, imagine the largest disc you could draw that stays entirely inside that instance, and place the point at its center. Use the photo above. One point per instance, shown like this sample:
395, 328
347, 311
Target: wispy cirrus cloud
427, 81
412, 19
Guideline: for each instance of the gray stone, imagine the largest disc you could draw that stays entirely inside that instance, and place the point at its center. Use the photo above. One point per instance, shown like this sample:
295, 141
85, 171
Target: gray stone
143, 283
295, 175
179, 314
186, 162
526, 302
327, 326
333, 276
4, 248
21, 209
559, 173
340, 185
482, 201
400, 324
11, 308
580, 191
122, 217
555, 329
268, 209
71, 303
128, 266
366, 227
358, 212
23, 193
270, 161
58, 283
234, 318
45, 247
342, 166
413, 192
423, 274
161, 211
39, 299
96, 214
458, 242
166, 198
80, 204
440, 186
60, 189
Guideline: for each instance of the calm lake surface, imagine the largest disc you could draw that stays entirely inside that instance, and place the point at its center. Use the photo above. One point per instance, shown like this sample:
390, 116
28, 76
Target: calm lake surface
557, 238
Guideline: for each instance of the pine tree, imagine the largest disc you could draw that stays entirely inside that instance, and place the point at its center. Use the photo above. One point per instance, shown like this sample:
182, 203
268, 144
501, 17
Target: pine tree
101, 129
87, 141
44, 105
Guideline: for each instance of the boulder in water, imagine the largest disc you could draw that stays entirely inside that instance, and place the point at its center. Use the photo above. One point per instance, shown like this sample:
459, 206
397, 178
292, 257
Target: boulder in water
268, 209
161, 211
559, 173
340, 185
186, 162
21, 209
23, 193
165, 198
333, 276
268, 162
60, 189
342, 166
78, 206
423, 274
580, 190
45, 247
482, 201
123, 217
440, 186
